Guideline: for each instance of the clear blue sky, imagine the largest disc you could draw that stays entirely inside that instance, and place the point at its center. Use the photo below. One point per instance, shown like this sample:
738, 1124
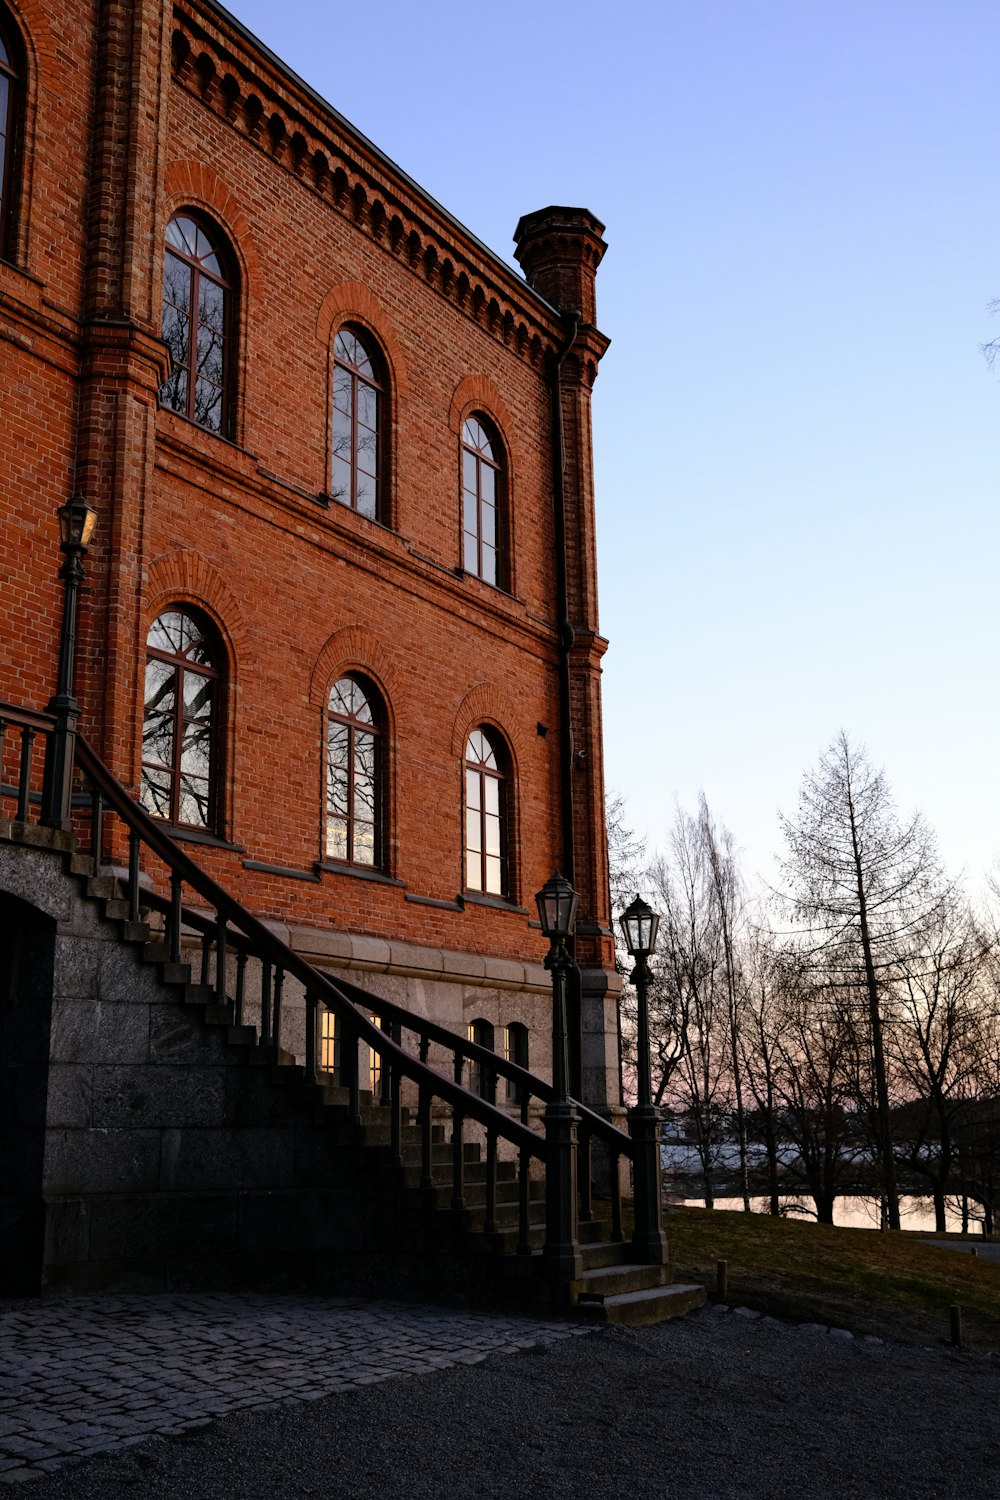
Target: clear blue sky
797, 439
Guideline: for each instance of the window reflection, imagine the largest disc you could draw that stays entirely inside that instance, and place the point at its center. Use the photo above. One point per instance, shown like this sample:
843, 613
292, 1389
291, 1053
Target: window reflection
353, 781
480, 490
195, 316
357, 394
180, 720
485, 842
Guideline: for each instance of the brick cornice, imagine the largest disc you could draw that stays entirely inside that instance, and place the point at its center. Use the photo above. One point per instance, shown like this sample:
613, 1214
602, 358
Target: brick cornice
215, 62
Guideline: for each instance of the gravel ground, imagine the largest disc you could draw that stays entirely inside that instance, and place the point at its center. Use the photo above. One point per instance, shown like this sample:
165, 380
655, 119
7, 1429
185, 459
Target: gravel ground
712, 1407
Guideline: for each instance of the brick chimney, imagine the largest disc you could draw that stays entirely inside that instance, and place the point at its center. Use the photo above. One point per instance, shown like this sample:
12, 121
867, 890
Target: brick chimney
559, 251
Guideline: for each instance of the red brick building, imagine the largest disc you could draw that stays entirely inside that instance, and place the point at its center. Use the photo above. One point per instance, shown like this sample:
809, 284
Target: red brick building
340, 625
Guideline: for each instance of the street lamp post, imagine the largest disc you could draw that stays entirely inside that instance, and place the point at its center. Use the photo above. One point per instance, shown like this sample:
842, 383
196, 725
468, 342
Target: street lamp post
76, 527
557, 902
639, 925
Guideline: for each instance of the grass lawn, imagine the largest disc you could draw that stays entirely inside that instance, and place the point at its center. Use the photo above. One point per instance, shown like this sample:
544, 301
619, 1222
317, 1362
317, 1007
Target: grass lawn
893, 1285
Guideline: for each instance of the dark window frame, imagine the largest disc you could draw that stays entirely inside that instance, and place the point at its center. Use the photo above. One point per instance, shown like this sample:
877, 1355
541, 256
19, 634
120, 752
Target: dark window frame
515, 1050
376, 380
499, 773
482, 1079
496, 464
376, 729
228, 284
13, 71
217, 674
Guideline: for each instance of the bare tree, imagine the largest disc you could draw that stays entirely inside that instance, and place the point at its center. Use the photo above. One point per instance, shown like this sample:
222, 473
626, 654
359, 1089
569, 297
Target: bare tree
936, 1039
860, 883
812, 1085
763, 1038
726, 890
688, 1029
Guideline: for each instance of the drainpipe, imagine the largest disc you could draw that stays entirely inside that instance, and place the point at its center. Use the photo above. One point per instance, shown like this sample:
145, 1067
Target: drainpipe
566, 636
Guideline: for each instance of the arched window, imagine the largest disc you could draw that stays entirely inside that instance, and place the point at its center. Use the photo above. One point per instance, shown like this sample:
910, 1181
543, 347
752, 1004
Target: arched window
358, 420
197, 293
482, 503
181, 721
11, 94
482, 1080
353, 775
515, 1050
486, 863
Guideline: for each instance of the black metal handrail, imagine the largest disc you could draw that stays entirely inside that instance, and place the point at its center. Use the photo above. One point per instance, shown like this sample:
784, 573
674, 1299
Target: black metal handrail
231, 929
31, 723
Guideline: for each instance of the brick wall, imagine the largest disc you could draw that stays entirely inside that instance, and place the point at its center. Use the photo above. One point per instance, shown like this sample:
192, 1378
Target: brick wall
188, 115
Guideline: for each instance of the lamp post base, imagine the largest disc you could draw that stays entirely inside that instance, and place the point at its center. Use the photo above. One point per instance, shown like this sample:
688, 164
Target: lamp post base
649, 1243
561, 1256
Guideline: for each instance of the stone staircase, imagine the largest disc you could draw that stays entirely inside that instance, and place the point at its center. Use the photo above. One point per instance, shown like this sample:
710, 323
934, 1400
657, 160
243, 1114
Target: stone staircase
458, 1253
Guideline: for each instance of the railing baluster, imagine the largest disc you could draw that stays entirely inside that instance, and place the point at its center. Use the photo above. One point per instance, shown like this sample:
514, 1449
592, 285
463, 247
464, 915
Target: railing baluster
133, 875
96, 826
174, 920
490, 1226
523, 1203
24, 782
265, 1004
384, 1081
426, 1174
352, 1064
524, 1187
396, 1115
584, 1185
279, 984
457, 1162
616, 1197
424, 1050
220, 961
3, 728
241, 979
311, 1018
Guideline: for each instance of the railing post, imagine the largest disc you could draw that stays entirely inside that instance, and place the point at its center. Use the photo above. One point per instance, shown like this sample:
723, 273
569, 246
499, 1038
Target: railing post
279, 985
311, 1017
241, 984
426, 1167
457, 1162
24, 779
133, 875
174, 927
220, 961
96, 826
265, 1004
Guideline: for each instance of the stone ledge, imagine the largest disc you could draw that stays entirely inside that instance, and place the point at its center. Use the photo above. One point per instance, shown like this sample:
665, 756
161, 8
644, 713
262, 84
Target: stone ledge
345, 950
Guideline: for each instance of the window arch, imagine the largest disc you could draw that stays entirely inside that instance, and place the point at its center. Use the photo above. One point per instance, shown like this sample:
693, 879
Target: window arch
185, 677
487, 797
354, 778
483, 502
11, 106
357, 476
198, 288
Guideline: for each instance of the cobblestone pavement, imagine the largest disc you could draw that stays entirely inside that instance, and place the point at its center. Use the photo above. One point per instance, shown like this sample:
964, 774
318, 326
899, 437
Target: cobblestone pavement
82, 1375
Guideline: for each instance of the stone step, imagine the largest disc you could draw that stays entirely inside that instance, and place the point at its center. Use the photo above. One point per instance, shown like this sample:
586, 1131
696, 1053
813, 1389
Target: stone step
644, 1308
604, 1253
601, 1282
103, 887
81, 864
